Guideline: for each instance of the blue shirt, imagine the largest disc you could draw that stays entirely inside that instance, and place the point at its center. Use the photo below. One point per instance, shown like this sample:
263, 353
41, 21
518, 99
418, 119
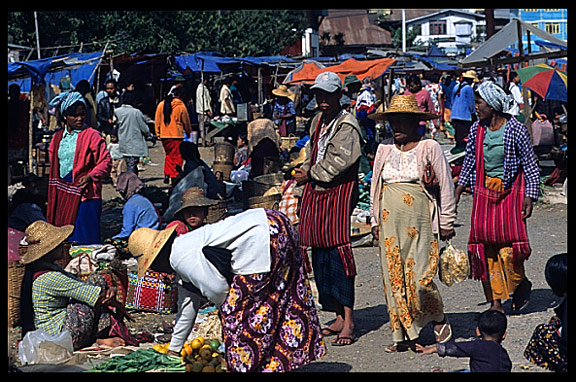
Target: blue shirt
463, 105
138, 212
449, 92
485, 356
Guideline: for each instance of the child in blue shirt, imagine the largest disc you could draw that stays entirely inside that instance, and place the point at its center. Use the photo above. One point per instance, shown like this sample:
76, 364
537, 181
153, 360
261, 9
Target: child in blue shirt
486, 352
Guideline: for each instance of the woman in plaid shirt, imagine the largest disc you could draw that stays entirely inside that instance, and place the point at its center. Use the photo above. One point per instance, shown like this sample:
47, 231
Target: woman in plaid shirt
52, 299
501, 169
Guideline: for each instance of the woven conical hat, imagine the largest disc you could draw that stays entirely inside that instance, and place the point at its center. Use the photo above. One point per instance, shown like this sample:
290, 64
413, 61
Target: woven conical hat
43, 237
146, 243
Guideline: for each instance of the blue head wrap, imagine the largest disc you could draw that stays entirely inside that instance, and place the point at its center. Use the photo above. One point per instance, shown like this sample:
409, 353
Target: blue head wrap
66, 99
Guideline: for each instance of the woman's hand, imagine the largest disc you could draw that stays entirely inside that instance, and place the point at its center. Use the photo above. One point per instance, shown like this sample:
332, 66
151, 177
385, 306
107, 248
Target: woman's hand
106, 295
447, 234
526, 207
84, 181
375, 233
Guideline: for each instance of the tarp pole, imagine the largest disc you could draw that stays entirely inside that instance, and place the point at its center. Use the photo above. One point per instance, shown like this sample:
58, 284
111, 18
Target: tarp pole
31, 134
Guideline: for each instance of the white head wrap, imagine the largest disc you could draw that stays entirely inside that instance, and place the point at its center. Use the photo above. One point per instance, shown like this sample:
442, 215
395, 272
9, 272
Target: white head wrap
496, 97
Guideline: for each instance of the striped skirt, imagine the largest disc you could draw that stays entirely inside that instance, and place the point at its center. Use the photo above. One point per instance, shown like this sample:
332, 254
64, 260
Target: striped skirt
269, 321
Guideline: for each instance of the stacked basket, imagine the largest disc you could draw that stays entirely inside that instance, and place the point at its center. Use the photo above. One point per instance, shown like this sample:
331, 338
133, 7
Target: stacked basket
223, 160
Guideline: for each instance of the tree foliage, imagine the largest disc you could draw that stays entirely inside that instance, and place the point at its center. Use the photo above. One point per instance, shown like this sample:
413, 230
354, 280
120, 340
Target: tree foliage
230, 32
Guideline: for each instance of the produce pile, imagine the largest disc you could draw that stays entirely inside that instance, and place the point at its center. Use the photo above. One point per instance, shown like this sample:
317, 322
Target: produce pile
140, 361
200, 355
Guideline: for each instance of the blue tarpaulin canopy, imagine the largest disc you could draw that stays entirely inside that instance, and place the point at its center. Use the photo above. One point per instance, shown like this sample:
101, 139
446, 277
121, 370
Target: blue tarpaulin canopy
76, 66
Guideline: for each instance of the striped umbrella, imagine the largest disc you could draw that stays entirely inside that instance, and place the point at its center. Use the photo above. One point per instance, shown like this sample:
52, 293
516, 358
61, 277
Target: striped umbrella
546, 81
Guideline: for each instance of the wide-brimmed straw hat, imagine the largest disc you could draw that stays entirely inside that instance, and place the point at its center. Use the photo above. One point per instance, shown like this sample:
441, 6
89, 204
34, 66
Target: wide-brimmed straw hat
402, 104
471, 74
194, 197
43, 237
283, 91
146, 243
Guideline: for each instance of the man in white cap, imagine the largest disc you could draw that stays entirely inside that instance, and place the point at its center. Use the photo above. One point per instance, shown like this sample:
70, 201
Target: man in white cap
329, 178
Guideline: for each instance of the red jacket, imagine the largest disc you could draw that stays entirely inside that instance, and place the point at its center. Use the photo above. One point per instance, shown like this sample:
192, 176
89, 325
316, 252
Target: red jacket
91, 157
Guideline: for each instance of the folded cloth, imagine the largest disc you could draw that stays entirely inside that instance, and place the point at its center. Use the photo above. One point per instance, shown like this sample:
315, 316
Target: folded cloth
105, 253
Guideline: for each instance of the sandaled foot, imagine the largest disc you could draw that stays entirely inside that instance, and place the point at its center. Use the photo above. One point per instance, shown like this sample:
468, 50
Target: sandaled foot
400, 347
521, 296
327, 332
341, 340
443, 332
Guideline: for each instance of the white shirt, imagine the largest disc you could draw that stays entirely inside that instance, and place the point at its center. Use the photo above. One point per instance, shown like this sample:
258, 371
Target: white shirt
401, 166
226, 93
246, 235
203, 100
518, 99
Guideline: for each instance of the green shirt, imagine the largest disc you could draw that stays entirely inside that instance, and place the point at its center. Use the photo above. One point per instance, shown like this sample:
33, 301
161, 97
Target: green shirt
66, 151
51, 294
494, 153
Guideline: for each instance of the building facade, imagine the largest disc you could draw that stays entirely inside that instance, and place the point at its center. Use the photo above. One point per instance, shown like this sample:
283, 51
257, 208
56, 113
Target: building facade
550, 20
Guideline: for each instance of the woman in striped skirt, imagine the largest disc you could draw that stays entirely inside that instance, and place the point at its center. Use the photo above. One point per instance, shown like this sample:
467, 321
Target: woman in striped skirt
501, 169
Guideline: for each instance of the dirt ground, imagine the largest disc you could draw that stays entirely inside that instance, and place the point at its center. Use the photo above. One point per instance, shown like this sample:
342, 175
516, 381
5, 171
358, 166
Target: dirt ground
463, 302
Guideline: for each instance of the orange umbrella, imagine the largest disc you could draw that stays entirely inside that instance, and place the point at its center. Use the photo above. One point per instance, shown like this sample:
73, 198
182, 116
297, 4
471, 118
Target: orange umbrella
361, 69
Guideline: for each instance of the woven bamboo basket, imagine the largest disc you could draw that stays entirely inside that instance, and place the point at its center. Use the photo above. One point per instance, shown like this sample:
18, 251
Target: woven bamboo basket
286, 143
270, 202
263, 183
225, 168
15, 277
216, 212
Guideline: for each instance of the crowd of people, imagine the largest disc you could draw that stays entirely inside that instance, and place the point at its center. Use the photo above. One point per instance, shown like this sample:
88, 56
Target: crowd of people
255, 265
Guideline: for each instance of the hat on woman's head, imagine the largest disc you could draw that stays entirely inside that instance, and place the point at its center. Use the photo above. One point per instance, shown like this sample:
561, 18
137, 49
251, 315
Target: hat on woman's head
43, 237
403, 104
470, 74
194, 197
283, 91
146, 243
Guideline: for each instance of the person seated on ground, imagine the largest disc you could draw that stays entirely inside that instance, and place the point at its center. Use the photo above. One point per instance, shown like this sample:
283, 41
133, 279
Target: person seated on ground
263, 143
486, 352
241, 153
138, 212
52, 299
192, 160
548, 346
249, 265
28, 205
193, 212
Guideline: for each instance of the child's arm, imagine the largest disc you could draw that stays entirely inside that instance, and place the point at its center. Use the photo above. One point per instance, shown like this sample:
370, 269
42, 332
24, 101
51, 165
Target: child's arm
426, 350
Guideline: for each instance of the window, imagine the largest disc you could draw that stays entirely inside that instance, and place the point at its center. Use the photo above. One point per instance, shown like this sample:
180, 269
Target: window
438, 27
552, 28
530, 10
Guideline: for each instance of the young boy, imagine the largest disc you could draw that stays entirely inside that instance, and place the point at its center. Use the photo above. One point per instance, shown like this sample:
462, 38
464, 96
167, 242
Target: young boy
486, 353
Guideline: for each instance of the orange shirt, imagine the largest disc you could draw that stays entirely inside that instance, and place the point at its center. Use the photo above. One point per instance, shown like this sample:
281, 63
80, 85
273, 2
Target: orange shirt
179, 121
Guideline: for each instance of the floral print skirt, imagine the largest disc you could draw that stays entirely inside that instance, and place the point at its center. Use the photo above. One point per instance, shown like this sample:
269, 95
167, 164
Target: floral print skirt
409, 260
269, 321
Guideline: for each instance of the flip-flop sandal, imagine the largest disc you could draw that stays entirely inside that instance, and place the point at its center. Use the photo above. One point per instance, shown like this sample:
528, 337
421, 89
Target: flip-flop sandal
520, 303
440, 338
327, 332
345, 338
401, 347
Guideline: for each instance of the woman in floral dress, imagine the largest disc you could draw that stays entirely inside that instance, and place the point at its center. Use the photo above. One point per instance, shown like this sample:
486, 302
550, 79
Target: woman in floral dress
408, 219
250, 267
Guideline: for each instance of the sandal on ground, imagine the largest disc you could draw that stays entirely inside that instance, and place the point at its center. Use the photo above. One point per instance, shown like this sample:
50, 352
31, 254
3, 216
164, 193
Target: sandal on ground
445, 333
348, 340
327, 332
401, 347
521, 299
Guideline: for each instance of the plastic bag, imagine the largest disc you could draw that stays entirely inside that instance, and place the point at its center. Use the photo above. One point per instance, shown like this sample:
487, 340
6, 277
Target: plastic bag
453, 265
39, 347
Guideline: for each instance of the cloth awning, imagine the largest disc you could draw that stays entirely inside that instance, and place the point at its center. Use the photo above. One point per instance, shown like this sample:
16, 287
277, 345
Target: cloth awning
361, 69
